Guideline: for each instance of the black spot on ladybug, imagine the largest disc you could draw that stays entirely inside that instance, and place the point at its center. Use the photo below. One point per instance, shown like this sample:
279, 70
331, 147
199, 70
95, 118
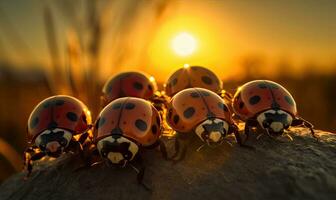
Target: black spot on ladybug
189, 112
59, 102
205, 93
273, 86
141, 125
130, 106
194, 95
109, 88
154, 129
241, 105
207, 80
262, 85
211, 115
72, 116
137, 85
176, 119
46, 105
150, 87
174, 81
223, 106
254, 100
34, 122
116, 106
100, 122
52, 125
289, 100
158, 120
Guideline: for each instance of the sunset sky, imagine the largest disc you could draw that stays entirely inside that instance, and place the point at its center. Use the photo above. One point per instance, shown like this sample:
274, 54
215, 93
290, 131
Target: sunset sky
299, 31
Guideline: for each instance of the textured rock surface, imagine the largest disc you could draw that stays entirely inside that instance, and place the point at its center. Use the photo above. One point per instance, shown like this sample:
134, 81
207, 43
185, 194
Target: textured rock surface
299, 169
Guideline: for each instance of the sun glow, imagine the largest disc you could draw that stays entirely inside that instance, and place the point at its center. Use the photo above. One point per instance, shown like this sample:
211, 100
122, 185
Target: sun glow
184, 44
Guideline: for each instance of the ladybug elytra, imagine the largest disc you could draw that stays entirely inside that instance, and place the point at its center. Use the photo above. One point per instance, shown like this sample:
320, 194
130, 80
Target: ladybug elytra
129, 84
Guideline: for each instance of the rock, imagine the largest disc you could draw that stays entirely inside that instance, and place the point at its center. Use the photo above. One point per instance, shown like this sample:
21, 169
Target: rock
277, 169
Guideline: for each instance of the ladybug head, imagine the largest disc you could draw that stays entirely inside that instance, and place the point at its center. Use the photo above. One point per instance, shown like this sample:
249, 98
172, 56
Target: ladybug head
212, 130
117, 149
53, 141
275, 121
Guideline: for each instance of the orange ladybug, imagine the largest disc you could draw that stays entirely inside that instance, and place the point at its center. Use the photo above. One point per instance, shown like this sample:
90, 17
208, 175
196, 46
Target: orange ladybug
52, 126
193, 76
123, 128
267, 105
203, 112
129, 84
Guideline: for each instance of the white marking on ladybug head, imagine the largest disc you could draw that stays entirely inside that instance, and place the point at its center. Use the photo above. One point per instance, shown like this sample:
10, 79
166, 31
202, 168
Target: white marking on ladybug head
215, 136
276, 126
115, 157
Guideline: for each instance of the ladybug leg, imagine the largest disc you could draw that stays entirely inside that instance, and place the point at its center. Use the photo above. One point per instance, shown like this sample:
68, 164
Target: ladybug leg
181, 144
31, 155
83, 137
163, 149
300, 121
234, 129
140, 172
249, 124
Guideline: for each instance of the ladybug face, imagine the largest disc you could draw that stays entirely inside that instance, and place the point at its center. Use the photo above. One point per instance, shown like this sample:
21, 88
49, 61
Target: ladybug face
53, 142
117, 149
212, 130
194, 76
275, 121
129, 84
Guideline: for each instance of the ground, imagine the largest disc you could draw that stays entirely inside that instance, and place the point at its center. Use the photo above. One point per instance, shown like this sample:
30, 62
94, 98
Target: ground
278, 169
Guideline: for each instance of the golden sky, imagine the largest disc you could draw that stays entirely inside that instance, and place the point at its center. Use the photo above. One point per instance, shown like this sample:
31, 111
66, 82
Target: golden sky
298, 31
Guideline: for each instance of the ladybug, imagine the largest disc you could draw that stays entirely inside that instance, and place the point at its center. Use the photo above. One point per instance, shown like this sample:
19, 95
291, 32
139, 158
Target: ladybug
52, 126
129, 84
267, 105
123, 129
192, 76
200, 111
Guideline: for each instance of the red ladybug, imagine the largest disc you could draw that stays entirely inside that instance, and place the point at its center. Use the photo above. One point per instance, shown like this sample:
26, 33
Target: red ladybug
267, 105
129, 84
52, 126
124, 128
193, 76
203, 112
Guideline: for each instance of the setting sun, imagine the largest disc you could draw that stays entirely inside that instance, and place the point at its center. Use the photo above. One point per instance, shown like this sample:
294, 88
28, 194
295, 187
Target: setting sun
184, 44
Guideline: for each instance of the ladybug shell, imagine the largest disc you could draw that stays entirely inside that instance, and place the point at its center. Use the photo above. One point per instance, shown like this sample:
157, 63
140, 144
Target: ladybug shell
192, 106
260, 95
59, 111
132, 84
193, 76
132, 117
